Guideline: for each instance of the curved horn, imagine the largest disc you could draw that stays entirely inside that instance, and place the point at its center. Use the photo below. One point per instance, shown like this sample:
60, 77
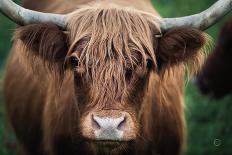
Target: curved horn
24, 16
202, 20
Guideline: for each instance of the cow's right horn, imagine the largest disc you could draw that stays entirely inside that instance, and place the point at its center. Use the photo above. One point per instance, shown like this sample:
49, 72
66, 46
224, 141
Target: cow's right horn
24, 16
201, 20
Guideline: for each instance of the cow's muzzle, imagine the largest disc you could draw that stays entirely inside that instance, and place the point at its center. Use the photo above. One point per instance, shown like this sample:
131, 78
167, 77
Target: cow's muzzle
109, 126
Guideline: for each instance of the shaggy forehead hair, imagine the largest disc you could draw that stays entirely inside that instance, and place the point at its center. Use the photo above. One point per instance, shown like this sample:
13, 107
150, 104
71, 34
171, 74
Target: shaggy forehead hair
111, 39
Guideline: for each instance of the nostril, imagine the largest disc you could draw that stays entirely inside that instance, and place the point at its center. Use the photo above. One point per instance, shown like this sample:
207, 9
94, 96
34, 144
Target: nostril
95, 124
122, 124
108, 123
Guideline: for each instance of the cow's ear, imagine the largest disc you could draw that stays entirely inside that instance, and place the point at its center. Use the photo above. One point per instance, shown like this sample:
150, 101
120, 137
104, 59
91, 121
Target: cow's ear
179, 45
45, 41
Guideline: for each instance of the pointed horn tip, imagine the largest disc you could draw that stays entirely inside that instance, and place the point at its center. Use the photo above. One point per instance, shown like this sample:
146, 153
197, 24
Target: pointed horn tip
202, 20
23, 16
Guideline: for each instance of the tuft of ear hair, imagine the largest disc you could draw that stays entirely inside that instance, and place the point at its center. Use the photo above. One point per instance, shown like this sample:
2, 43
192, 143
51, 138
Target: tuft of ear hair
44, 40
179, 45
42, 44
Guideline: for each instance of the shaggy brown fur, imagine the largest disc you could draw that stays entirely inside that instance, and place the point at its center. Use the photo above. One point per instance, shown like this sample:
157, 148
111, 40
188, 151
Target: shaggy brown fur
121, 65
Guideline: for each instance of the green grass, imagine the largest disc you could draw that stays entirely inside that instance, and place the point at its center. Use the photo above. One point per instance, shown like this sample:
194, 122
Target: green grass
7, 139
6, 31
209, 121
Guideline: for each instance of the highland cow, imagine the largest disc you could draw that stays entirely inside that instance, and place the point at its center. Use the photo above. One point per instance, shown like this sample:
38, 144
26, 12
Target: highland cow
103, 77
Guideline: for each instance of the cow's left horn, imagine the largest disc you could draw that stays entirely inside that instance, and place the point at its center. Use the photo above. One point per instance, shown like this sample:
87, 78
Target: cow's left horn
24, 16
202, 20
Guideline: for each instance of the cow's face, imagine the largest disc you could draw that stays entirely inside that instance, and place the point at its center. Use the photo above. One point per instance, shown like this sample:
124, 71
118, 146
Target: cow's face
111, 54
215, 76
111, 64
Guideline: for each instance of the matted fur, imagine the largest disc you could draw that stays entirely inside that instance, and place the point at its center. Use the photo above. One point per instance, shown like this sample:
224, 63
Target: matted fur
109, 49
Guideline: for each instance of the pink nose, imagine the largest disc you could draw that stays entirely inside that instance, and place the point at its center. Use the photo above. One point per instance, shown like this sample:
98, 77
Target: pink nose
109, 128
112, 126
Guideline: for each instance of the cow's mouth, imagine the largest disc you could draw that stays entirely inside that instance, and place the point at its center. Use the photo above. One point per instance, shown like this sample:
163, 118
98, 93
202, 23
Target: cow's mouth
110, 144
106, 145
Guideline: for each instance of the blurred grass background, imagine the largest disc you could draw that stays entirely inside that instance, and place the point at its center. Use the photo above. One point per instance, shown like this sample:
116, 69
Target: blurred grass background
209, 121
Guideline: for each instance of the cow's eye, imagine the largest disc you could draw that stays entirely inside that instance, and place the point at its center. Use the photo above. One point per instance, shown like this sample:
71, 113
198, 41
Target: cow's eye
129, 73
73, 61
149, 64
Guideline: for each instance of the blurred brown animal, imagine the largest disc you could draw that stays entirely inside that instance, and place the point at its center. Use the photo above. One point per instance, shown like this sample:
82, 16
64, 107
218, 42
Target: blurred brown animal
110, 84
215, 77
